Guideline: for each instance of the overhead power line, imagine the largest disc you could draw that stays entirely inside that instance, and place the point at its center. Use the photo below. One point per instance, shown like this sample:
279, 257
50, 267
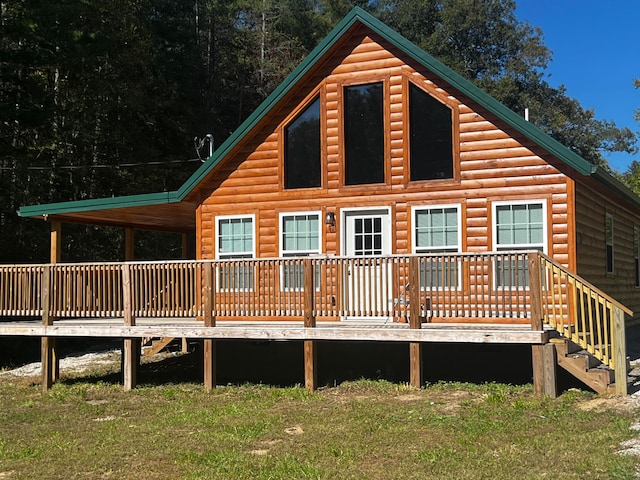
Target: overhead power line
118, 165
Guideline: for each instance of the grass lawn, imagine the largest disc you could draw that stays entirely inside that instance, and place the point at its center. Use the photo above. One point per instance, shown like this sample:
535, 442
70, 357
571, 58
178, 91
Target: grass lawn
89, 428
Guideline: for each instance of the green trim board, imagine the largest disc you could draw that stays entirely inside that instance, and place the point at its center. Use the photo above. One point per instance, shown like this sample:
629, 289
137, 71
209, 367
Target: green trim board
99, 204
356, 16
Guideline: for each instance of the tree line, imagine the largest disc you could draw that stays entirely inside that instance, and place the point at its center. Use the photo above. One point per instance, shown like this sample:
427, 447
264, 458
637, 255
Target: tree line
105, 97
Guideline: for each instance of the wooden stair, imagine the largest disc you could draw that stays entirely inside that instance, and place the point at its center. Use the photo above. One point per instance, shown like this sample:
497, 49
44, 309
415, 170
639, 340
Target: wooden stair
584, 366
157, 345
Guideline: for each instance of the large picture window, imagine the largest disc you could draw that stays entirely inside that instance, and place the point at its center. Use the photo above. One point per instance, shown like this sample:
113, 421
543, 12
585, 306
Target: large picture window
430, 129
235, 240
364, 134
300, 237
302, 167
517, 226
437, 230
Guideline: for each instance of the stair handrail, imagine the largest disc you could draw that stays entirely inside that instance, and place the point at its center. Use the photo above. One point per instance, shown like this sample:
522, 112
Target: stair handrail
584, 314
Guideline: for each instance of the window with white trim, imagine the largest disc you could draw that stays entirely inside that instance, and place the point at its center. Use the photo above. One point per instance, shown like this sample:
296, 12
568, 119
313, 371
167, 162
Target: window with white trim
235, 240
437, 230
609, 239
517, 226
300, 237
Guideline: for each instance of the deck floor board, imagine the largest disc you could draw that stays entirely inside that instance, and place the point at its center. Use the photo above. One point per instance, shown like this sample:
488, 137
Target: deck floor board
273, 330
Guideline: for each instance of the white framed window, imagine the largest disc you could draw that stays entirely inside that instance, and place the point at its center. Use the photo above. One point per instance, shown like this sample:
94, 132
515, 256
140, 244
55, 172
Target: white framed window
437, 229
518, 226
300, 236
235, 239
609, 240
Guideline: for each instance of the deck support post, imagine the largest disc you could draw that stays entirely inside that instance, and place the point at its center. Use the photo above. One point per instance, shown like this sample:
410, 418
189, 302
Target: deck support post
538, 357
130, 362
131, 346
49, 352
544, 370
415, 348
310, 347
620, 351
210, 369
48, 359
208, 294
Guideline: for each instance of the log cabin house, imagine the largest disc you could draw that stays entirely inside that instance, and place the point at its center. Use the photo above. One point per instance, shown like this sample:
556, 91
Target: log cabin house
374, 195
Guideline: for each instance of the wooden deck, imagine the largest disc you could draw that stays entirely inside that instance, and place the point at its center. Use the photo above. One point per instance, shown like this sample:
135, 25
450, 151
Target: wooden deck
494, 297
274, 330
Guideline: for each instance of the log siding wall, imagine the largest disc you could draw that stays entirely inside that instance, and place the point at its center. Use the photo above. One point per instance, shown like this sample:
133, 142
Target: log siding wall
592, 207
491, 163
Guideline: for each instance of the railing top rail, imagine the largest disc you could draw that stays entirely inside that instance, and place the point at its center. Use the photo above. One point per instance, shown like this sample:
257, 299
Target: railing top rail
586, 284
313, 257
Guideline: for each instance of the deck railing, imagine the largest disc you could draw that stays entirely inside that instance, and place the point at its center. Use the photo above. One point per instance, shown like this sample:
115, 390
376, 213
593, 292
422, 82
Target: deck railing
583, 313
491, 286
496, 287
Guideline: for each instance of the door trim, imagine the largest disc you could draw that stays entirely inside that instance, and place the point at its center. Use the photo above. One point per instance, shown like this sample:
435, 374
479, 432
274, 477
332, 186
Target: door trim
386, 212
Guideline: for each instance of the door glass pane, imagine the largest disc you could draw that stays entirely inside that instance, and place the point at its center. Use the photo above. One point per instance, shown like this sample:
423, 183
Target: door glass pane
368, 239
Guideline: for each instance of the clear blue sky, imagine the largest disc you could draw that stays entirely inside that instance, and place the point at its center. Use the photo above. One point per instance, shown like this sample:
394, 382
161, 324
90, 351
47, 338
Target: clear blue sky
596, 55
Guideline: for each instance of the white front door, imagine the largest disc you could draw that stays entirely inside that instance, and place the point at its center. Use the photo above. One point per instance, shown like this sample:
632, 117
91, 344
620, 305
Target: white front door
367, 287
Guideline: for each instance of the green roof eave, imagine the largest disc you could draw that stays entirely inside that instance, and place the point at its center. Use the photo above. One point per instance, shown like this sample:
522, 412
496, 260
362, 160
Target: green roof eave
608, 180
98, 204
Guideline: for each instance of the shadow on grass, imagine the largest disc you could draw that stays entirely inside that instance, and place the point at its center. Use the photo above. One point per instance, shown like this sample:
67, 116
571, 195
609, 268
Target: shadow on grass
279, 363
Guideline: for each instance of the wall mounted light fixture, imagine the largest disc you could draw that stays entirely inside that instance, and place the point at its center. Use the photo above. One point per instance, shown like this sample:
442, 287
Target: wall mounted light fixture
330, 219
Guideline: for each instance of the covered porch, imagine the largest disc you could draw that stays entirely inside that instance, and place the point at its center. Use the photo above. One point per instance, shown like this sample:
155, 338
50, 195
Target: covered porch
505, 297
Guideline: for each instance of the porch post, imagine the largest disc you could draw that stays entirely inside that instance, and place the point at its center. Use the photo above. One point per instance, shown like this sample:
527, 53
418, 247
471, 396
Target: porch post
184, 245
310, 347
208, 292
129, 244
49, 352
415, 322
47, 348
620, 351
56, 241
185, 255
131, 346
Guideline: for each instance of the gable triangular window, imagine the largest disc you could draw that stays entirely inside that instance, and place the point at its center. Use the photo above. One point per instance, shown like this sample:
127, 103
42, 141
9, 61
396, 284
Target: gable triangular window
302, 149
431, 146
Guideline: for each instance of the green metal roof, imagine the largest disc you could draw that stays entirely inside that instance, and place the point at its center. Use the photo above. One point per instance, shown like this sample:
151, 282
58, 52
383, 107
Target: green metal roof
98, 204
356, 16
